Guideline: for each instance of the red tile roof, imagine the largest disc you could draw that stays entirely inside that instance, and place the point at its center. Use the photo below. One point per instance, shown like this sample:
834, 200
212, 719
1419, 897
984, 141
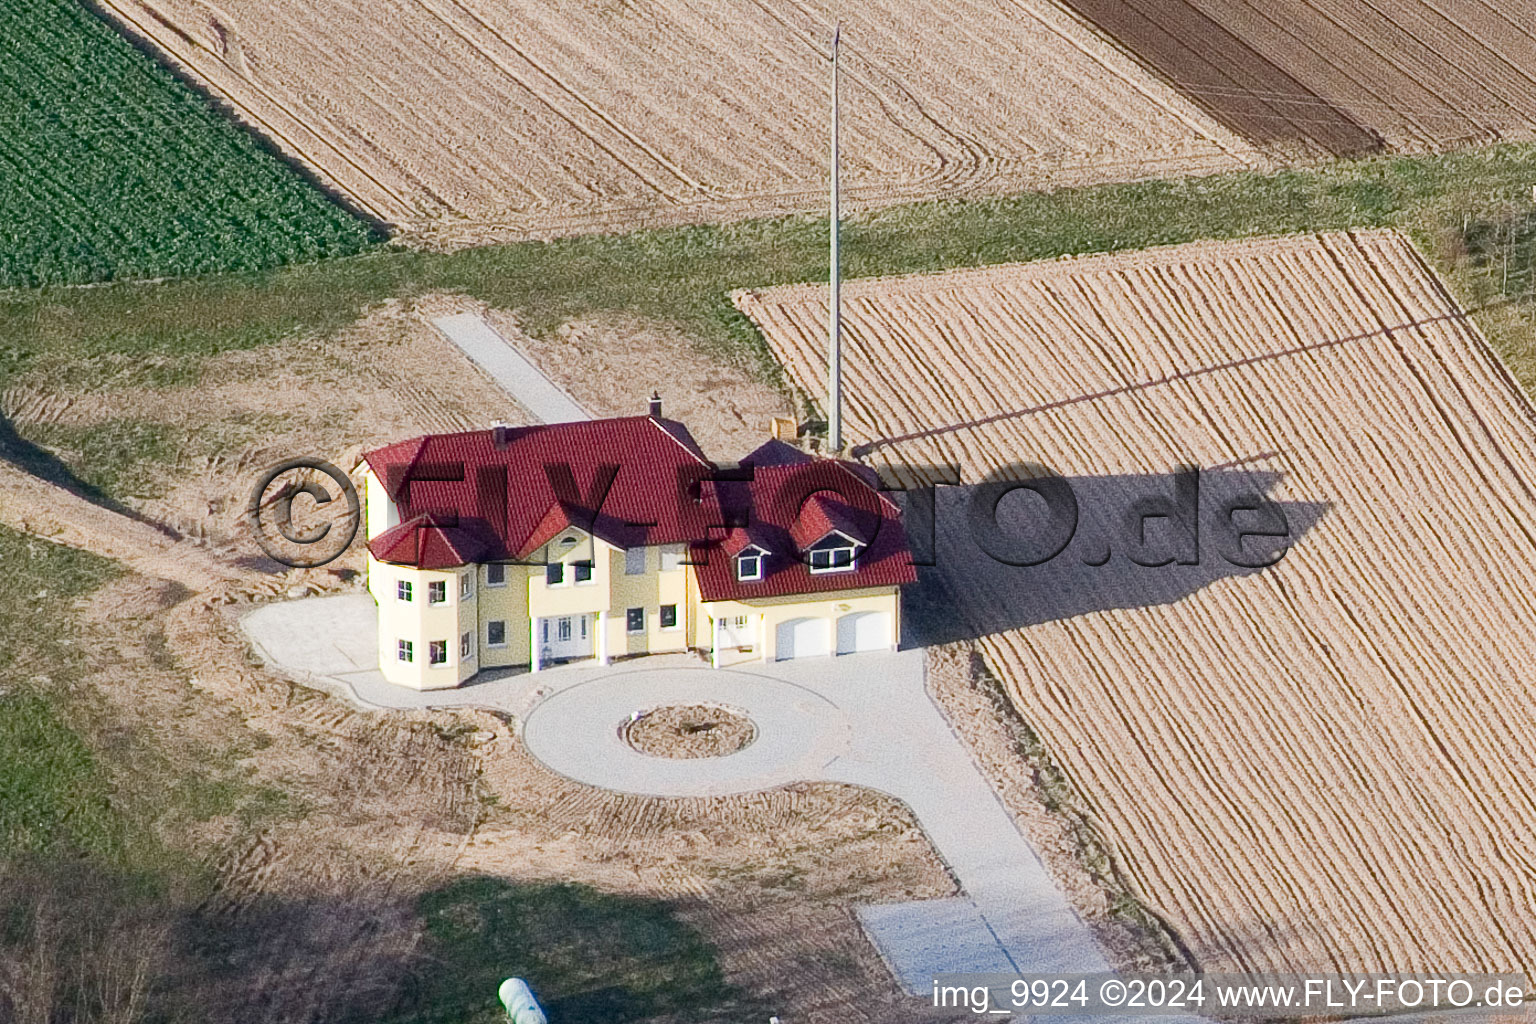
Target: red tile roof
499, 495
632, 480
822, 515
433, 542
791, 494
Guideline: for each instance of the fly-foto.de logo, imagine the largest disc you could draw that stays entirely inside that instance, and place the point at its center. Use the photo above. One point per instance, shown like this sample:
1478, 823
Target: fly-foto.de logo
303, 512
1027, 515
1022, 516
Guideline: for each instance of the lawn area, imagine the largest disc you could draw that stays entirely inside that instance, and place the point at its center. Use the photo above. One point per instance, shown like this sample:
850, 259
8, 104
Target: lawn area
114, 168
1470, 211
104, 881
589, 956
53, 797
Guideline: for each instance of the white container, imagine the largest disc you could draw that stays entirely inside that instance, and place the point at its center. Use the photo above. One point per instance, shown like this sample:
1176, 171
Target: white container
522, 1008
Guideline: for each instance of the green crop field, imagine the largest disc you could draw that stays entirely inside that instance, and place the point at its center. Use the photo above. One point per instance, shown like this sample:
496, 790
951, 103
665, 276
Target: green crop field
110, 167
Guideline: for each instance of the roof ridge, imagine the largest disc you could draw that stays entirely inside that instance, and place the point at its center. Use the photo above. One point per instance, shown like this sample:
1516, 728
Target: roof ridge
696, 451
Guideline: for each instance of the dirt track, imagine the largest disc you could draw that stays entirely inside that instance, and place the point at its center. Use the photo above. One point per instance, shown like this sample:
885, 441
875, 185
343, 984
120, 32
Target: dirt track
1324, 763
1339, 76
472, 120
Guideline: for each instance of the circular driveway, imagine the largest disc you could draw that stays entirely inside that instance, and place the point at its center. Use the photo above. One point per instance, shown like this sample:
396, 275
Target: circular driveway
578, 732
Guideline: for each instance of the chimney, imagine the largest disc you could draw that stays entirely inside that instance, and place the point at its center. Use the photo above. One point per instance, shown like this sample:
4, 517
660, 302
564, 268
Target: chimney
500, 435
655, 413
783, 428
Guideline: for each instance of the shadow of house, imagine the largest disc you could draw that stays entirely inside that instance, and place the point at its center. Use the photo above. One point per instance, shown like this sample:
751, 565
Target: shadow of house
40, 462
995, 556
33, 458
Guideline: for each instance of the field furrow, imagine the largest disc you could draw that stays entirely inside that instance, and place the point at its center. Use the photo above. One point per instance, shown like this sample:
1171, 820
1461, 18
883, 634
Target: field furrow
1340, 76
1324, 762
472, 119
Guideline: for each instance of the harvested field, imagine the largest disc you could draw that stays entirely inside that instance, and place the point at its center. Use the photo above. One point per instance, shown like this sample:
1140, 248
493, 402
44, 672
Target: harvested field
1319, 764
476, 120
1341, 77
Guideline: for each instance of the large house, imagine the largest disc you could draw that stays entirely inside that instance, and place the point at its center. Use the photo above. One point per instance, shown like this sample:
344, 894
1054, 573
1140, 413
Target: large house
618, 537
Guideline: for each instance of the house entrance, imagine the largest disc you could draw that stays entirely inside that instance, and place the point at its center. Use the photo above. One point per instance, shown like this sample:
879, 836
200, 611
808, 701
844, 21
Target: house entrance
565, 636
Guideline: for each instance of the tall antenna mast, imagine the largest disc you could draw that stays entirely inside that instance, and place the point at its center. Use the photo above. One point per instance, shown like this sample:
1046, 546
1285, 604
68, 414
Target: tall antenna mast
835, 318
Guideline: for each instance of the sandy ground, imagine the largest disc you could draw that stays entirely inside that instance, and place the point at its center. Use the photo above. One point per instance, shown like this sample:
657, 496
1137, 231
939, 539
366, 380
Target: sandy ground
463, 120
1320, 764
614, 363
1341, 77
317, 908
690, 730
390, 375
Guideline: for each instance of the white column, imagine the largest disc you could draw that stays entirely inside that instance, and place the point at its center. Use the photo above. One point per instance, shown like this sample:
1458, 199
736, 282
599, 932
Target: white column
533, 644
762, 636
714, 633
602, 638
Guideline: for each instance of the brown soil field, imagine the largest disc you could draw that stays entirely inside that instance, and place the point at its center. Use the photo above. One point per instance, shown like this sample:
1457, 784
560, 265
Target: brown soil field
464, 120
316, 909
1320, 764
1338, 76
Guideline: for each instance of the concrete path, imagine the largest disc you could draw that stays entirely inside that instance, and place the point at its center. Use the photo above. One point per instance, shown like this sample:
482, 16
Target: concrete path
509, 368
864, 719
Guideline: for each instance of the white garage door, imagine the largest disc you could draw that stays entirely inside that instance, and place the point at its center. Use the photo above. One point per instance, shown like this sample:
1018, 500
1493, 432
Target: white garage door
863, 631
801, 638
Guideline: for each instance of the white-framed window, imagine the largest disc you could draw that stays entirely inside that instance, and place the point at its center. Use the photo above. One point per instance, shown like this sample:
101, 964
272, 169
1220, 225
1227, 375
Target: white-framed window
668, 618
749, 564
496, 633
671, 557
467, 646
495, 575
582, 570
840, 558
634, 561
563, 629
554, 574
437, 652
634, 620
404, 651
740, 622
467, 586
403, 590
437, 592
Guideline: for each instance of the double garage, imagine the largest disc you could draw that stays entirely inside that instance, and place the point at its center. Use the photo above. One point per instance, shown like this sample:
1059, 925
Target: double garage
852, 633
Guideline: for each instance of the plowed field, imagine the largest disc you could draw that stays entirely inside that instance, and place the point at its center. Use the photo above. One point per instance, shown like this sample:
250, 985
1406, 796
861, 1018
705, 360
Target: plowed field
1323, 763
1341, 76
478, 119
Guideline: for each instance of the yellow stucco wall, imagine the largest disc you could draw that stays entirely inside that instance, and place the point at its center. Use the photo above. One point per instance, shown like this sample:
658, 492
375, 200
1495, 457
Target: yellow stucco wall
649, 590
381, 513
421, 623
569, 597
776, 611
509, 604
526, 595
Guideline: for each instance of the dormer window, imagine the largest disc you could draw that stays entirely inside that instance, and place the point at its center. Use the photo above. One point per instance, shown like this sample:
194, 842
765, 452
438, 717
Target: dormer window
749, 564
836, 552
